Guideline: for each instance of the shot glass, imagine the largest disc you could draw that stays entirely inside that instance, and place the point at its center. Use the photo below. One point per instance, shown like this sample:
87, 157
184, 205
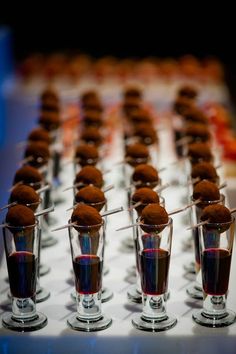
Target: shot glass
195, 289
87, 251
154, 260
216, 243
134, 292
22, 248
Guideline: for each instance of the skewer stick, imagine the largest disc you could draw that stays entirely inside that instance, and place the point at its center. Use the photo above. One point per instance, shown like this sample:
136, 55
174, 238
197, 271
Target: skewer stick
15, 185
109, 212
8, 205
45, 211
80, 184
135, 205
127, 227
43, 189
197, 225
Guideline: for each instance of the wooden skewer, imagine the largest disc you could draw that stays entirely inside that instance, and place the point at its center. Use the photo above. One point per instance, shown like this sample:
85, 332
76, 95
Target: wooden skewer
108, 188
183, 141
80, 184
8, 205
232, 210
26, 159
135, 205
45, 211
127, 227
43, 189
3, 225
106, 213
15, 185
158, 189
197, 225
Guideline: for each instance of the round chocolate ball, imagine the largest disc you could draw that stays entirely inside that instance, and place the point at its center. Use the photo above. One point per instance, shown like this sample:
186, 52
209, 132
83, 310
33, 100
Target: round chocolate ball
145, 176
206, 191
28, 175
153, 218
86, 154
25, 195
89, 175
20, 215
204, 170
39, 152
92, 196
87, 218
40, 134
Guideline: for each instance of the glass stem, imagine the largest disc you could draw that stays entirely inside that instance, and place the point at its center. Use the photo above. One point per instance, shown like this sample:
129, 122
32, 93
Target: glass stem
214, 306
154, 307
23, 309
89, 306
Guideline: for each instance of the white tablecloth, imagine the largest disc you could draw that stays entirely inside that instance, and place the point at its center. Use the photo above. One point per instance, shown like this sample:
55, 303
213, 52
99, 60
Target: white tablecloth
121, 337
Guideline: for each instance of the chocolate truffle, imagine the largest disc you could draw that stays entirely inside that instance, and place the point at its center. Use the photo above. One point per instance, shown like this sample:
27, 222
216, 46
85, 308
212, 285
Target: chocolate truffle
204, 170
156, 215
92, 135
146, 133
131, 104
216, 213
199, 152
132, 92
146, 175
28, 175
206, 191
198, 132
88, 96
182, 104
92, 196
187, 91
49, 105
49, 120
90, 100
136, 153
40, 134
195, 115
49, 94
39, 151
85, 215
86, 154
20, 215
145, 196
25, 195
140, 115
90, 175
92, 118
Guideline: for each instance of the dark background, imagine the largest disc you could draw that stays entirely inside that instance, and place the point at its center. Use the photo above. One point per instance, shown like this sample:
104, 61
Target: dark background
137, 30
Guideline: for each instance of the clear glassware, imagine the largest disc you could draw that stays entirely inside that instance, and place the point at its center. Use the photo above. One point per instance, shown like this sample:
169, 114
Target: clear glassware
21, 248
154, 259
134, 292
107, 294
87, 251
216, 244
195, 289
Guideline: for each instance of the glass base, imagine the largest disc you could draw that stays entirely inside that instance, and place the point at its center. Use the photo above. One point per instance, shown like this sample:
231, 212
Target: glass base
107, 294
37, 322
106, 270
90, 325
42, 295
48, 241
190, 268
214, 321
134, 295
195, 292
128, 243
44, 269
152, 325
131, 270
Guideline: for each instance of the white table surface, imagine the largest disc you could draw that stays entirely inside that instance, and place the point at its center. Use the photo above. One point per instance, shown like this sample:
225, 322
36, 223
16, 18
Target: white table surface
121, 337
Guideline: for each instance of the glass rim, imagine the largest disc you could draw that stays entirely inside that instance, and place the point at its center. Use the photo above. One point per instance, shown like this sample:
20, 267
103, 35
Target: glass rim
160, 226
97, 203
8, 226
85, 226
216, 201
219, 223
161, 201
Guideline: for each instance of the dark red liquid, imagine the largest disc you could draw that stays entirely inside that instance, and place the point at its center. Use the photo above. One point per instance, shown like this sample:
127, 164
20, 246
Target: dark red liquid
154, 271
88, 274
215, 271
22, 268
196, 246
